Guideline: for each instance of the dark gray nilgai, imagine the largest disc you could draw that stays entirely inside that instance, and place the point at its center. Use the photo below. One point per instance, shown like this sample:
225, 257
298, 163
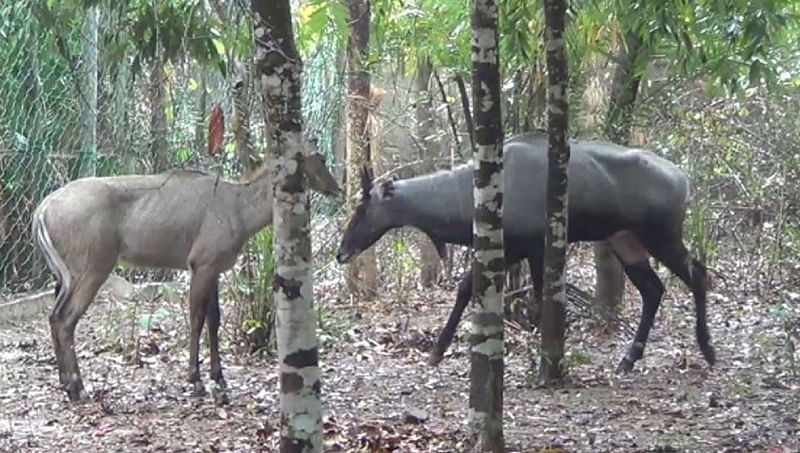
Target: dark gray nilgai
176, 220
630, 197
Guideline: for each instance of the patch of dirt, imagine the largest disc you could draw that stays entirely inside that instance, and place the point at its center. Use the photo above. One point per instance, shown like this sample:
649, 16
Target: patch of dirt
134, 360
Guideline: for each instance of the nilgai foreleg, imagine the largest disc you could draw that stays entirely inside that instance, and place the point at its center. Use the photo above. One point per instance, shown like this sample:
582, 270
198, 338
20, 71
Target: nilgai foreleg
212, 322
448, 332
63, 321
535, 261
203, 282
635, 260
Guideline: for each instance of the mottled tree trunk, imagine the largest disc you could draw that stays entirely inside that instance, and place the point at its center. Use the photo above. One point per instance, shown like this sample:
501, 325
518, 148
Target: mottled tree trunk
488, 267
362, 273
87, 165
553, 320
429, 257
610, 279
280, 70
159, 158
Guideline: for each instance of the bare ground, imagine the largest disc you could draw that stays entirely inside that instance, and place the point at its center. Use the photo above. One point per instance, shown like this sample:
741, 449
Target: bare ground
133, 361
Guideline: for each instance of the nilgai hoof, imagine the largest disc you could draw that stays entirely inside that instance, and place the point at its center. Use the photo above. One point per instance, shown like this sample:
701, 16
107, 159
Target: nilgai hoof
625, 366
709, 354
199, 389
76, 392
221, 396
435, 358
220, 382
635, 353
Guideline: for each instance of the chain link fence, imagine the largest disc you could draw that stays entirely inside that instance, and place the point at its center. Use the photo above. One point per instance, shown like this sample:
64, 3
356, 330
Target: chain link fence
39, 118
41, 137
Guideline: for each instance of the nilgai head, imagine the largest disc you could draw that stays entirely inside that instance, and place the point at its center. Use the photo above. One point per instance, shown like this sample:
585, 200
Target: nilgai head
318, 176
372, 218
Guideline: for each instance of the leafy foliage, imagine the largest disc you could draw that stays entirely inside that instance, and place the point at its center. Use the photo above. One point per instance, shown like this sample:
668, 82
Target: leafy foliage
732, 43
167, 30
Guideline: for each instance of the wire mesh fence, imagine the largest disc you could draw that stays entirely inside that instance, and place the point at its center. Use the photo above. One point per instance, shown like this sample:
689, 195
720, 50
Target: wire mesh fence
38, 119
41, 138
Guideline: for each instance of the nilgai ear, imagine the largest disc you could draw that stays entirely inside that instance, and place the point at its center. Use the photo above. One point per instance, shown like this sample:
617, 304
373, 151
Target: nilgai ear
318, 175
387, 189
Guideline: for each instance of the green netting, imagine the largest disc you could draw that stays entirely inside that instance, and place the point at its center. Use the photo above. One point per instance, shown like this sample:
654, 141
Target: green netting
323, 102
41, 100
39, 128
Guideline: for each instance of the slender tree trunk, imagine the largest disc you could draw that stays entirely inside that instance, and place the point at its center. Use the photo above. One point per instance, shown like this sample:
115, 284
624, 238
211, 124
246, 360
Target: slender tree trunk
241, 129
88, 161
340, 140
553, 321
219, 8
514, 279
430, 269
280, 70
375, 126
488, 267
362, 273
201, 126
536, 100
610, 279
158, 117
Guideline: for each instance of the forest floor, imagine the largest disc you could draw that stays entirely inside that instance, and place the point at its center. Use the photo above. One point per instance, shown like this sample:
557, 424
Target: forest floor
373, 365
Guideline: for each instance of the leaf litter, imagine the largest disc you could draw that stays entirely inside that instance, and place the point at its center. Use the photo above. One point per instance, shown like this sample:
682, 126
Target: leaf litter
381, 396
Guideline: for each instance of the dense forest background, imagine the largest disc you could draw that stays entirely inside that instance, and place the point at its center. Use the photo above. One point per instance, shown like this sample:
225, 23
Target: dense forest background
107, 88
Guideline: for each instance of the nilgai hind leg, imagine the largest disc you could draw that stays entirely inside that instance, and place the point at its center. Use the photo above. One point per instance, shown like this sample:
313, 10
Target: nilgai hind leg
70, 306
212, 322
203, 290
635, 258
694, 275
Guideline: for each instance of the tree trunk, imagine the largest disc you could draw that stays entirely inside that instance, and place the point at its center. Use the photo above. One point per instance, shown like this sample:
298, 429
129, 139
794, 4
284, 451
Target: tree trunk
87, 164
241, 129
429, 257
488, 267
158, 117
536, 107
362, 273
219, 8
553, 321
280, 70
340, 139
610, 279
200, 126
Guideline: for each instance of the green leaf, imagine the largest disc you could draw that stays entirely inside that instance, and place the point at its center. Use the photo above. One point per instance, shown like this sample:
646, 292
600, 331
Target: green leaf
149, 321
219, 46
